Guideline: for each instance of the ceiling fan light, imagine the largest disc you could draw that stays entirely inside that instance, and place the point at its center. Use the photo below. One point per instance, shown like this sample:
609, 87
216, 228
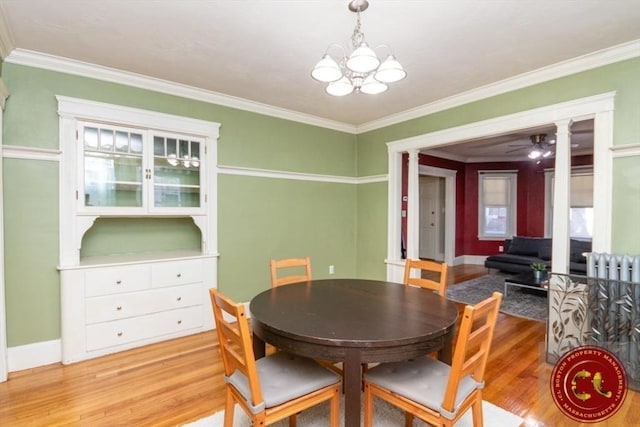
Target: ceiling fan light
326, 70
371, 86
547, 153
390, 71
341, 87
535, 153
363, 59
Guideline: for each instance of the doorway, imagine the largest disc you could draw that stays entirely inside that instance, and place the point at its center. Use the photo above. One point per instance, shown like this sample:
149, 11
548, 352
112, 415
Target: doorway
432, 217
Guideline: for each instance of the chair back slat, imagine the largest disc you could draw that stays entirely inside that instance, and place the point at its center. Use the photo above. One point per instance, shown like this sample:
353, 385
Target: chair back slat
235, 341
472, 345
301, 268
432, 269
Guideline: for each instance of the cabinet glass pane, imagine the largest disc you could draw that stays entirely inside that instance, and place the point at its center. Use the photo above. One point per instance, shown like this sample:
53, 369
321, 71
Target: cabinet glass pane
176, 172
112, 168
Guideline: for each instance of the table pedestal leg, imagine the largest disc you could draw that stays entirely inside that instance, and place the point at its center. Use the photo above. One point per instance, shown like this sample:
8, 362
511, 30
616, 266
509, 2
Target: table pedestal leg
259, 347
352, 388
445, 354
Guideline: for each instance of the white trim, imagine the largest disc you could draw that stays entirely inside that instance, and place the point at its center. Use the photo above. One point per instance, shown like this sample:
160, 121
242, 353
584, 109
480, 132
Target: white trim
33, 355
586, 62
93, 71
582, 63
30, 153
599, 107
629, 150
298, 176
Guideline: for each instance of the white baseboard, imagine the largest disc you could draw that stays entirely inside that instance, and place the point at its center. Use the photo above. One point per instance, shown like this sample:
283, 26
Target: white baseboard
470, 259
34, 355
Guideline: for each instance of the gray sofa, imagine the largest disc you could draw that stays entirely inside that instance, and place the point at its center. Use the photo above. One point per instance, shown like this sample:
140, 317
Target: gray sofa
520, 252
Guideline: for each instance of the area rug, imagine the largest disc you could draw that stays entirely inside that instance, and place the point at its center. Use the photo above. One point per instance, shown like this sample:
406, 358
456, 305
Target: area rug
385, 415
517, 302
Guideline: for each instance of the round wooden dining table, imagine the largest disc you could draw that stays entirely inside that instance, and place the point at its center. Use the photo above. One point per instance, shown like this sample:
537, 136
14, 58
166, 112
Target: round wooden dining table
353, 321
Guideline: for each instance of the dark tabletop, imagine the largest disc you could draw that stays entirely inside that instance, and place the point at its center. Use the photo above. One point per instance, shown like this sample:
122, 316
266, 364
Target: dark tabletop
378, 313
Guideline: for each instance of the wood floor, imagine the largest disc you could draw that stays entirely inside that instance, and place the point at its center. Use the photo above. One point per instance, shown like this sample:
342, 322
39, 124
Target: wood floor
179, 381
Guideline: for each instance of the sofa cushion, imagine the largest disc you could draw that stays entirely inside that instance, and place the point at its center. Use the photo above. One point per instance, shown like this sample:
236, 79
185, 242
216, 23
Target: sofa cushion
577, 248
528, 246
544, 251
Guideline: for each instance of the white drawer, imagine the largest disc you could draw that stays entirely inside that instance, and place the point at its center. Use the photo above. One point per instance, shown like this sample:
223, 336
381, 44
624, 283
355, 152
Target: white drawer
112, 280
176, 272
120, 332
114, 307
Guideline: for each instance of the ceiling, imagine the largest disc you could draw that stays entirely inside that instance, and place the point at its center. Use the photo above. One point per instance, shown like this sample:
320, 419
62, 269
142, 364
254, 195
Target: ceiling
262, 51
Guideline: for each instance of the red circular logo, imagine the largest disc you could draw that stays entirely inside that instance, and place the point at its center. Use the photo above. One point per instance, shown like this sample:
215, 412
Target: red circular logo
588, 384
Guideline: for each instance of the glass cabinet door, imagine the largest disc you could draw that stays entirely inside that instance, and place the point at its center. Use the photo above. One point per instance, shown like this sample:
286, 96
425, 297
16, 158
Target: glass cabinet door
176, 172
140, 171
113, 163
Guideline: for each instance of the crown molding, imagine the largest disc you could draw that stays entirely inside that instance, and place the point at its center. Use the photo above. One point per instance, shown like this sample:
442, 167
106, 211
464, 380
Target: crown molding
6, 40
586, 62
93, 71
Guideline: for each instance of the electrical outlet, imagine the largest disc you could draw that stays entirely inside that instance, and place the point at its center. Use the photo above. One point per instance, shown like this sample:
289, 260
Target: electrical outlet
500, 248
332, 269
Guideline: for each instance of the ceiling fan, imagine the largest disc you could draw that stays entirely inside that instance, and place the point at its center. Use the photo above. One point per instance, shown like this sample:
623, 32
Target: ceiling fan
539, 147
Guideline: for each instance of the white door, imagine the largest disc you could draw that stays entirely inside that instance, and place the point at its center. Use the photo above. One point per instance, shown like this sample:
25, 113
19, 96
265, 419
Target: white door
431, 217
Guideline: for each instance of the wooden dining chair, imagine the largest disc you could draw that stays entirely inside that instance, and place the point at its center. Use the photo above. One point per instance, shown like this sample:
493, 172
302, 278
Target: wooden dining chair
273, 387
293, 266
431, 390
431, 269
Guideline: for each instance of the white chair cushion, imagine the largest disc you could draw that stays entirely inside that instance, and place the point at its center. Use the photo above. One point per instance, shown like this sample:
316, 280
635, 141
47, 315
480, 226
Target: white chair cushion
284, 377
423, 380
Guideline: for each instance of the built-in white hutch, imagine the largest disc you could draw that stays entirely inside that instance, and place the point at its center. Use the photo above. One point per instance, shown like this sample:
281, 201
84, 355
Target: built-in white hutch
120, 162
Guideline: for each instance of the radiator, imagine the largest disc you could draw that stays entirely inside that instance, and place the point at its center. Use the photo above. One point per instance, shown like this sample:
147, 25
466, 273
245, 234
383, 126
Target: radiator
614, 308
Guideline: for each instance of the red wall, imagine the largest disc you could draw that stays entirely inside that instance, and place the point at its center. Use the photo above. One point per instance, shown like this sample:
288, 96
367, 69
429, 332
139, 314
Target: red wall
530, 196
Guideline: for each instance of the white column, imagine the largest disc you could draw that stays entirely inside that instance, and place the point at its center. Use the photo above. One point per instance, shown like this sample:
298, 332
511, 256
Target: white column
413, 206
394, 205
602, 180
561, 198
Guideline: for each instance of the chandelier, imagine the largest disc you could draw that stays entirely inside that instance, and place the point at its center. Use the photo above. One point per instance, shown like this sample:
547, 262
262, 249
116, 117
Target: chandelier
361, 70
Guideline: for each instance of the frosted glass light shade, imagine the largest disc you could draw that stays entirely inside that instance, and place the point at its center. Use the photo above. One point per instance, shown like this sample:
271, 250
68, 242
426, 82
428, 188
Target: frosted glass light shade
390, 71
341, 87
371, 86
326, 70
363, 59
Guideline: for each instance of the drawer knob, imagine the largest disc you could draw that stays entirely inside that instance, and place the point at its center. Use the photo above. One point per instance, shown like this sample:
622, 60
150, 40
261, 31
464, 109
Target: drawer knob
119, 334
179, 298
179, 275
118, 282
179, 322
119, 308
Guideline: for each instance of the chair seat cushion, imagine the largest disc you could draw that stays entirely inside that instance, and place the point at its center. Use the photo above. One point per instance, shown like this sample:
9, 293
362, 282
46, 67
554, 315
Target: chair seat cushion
284, 377
423, 380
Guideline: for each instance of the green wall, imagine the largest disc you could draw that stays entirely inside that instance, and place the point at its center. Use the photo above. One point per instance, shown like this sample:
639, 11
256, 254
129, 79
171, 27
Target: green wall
259, 218
620, 77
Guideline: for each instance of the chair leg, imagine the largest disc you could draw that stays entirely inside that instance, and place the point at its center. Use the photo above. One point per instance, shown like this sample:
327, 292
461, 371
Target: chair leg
228, 409
368, 405
335, 408
477, 413
408, 419
293, 420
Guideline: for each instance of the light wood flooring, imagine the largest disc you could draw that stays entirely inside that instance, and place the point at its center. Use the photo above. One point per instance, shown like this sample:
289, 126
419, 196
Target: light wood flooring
179, 381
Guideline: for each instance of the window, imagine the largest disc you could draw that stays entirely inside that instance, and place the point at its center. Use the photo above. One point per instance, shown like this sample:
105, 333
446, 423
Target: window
496, 204
581, 207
